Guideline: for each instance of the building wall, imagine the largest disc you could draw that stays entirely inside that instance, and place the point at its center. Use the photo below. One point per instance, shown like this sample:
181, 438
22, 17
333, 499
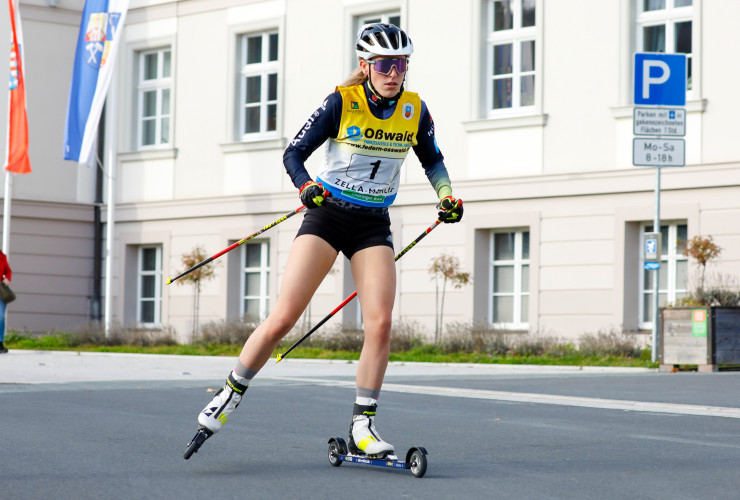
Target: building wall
563, 170
51, 255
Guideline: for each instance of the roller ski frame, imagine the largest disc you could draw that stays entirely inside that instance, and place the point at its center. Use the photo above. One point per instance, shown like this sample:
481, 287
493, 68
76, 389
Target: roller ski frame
416, 458
197, 441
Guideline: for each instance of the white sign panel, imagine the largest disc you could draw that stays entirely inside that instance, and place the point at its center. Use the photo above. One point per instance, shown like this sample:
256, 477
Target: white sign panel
652, 152
659, 121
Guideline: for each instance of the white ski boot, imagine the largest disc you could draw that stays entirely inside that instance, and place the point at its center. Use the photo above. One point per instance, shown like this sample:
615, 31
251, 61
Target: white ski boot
363, 437
217, 412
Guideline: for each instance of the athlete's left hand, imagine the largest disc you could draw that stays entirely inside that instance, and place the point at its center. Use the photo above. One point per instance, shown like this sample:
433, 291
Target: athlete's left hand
450, 209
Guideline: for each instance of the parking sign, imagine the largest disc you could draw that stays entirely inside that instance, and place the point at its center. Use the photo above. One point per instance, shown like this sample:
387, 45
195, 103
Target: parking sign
660, 79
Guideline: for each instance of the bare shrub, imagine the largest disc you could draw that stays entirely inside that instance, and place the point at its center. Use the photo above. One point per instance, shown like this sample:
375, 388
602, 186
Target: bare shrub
235, 331
535, 345
339, 339
118, 335
463, 336
613, 342
406, 335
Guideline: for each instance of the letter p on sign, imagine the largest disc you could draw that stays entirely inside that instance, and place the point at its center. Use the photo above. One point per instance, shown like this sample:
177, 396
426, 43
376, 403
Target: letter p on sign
660, 79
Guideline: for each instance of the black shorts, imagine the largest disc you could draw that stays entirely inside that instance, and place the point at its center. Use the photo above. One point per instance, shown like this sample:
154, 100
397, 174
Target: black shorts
348, 230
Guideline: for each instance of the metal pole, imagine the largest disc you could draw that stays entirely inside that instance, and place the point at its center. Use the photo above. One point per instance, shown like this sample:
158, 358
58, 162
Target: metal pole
110, 161
656, 283
6, 212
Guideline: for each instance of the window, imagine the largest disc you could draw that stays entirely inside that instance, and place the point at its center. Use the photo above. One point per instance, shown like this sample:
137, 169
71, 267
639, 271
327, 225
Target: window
387, 17
673, 274
393, 17
509, 279
154, 98
510, 41
665, 26
149, 289
258, 85
255, 285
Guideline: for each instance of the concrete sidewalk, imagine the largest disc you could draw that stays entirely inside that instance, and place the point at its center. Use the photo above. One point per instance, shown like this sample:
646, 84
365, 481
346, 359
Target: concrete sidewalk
37, 367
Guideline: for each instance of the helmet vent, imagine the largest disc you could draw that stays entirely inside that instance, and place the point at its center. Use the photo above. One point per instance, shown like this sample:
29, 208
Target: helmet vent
382, 39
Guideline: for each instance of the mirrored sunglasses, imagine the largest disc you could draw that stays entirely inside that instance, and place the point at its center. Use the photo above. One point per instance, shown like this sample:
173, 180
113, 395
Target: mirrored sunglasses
384, 66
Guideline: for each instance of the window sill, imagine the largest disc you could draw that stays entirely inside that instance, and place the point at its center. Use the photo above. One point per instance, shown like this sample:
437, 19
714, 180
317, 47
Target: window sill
698, 106
505, 122
258, 145
148, 154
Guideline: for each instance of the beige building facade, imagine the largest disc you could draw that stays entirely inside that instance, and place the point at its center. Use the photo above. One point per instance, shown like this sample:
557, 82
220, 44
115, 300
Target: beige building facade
533, 107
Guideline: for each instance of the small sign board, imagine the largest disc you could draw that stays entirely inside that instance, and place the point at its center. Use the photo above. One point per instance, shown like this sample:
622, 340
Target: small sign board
659, 121
652, 266
699, 323
654, 152
652, 248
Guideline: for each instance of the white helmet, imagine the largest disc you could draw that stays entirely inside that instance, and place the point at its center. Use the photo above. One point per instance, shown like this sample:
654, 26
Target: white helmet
380, 39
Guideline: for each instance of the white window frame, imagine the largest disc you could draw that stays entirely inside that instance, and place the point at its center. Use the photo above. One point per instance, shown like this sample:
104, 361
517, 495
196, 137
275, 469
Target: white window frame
262, 69
668, 264
518, 262
365, 18
379, 17
515, 36
157, 274
158, 85
264, 272
669, 17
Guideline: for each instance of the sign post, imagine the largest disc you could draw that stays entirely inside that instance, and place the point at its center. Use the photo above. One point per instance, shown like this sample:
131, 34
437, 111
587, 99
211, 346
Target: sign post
660, 80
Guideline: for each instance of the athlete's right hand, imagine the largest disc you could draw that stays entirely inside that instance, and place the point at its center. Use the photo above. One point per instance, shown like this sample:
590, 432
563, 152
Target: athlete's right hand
313, 194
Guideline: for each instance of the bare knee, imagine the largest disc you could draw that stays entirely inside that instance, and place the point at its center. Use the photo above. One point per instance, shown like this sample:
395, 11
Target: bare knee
277, 326
378, 330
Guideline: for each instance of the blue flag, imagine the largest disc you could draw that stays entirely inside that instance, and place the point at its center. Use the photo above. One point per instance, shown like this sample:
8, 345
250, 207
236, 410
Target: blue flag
95, 59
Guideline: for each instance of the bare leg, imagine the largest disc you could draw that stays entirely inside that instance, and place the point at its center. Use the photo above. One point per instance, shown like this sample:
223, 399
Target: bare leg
309, 261
374, 273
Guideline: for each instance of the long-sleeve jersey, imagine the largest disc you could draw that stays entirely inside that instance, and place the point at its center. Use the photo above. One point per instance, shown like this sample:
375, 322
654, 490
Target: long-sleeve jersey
324, 124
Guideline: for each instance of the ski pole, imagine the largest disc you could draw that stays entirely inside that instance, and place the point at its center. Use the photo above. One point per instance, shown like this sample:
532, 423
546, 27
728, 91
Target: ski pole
243, 240
354, 294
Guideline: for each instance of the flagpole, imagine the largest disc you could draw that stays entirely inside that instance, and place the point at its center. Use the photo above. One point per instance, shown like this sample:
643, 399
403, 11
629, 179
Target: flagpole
110, 143
6, 213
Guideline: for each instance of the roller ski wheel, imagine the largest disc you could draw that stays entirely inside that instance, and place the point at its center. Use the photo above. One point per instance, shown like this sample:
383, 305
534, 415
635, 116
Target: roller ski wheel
337, 447
197, 441
416, 458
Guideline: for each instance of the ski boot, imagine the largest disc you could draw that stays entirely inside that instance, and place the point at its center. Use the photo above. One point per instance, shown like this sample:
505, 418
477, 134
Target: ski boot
216, 413
364, 438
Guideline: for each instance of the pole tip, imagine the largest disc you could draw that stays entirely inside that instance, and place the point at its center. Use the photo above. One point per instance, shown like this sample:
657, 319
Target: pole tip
169, 280
279, 358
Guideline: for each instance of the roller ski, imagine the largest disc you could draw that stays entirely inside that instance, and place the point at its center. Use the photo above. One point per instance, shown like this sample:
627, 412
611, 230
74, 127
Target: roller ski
416, 458
213, 417
197, 441
367, 447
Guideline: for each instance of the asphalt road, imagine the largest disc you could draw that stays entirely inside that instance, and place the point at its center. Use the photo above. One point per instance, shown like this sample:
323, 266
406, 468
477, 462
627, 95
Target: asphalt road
115, 427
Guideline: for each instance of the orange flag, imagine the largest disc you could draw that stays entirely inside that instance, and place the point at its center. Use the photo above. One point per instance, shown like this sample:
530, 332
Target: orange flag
17, 141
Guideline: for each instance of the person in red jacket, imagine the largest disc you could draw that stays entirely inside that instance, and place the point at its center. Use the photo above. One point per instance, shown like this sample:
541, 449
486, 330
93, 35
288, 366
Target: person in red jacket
6, 274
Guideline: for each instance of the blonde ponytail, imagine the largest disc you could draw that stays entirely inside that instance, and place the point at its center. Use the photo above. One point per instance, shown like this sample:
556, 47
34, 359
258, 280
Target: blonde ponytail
357, 77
